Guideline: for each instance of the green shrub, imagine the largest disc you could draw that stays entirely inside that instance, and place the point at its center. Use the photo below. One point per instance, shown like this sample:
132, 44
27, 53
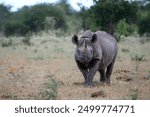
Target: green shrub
15, 27
147, 77
125, 50
145, 38
124, 29
144, 25
6, 42
49, 23
138, 57
27, 41
49, 92
134, 94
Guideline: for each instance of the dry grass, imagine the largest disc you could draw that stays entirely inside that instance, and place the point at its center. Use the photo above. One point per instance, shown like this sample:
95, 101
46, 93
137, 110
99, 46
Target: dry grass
24, 70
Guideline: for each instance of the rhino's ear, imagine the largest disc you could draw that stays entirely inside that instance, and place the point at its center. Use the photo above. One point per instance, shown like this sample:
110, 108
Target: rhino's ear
94, 38
75, 39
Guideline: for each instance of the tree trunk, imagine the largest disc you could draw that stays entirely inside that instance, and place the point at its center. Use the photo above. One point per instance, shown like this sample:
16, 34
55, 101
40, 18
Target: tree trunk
110, 28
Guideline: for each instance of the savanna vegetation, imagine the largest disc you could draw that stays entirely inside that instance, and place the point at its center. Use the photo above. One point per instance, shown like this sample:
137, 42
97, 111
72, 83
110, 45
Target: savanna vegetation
36, 53
114, 16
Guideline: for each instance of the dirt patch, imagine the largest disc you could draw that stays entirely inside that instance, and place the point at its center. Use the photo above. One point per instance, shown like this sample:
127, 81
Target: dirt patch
122, 71
98, 94
124, 78
95, 84
124, 75
78, 83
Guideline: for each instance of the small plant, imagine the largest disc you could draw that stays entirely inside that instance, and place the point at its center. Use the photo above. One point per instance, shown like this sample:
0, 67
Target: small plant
124, 30
145, 39
9, 97
59, 50
137, 58
50, 90
37, 57
125, 50
35, 50
6, 42
27, 41
147, 77
49, 23
134, 94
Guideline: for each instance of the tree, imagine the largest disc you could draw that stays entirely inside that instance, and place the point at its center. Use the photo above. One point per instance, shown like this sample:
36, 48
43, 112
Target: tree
83, 15
105, 14
144, 25
32, 19
144, 18
4, 13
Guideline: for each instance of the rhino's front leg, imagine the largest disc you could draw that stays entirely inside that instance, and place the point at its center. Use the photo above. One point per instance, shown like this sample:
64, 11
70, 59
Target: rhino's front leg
83, 70
92, 71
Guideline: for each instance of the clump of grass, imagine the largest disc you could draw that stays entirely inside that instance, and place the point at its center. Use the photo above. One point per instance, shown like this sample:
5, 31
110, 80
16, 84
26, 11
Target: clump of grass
9, 97
35, 50
137, 58
147, 77
59, 49
145, 39
6, 42
43, 42
125, 50
36, 57
49, 92
27, 40
134, 94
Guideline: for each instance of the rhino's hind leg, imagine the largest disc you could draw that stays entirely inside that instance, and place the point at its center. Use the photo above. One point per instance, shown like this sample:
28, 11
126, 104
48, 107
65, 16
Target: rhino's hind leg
109, 72
102, 76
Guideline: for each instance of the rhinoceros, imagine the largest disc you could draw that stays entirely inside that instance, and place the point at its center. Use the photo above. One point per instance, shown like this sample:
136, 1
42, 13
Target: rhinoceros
95, 51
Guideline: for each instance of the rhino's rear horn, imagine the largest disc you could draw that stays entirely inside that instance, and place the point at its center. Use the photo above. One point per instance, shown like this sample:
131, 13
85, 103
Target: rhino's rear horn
94, 38
75, 39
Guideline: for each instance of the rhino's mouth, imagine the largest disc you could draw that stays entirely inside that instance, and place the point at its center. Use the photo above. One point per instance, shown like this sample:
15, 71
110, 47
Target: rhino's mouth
84, 59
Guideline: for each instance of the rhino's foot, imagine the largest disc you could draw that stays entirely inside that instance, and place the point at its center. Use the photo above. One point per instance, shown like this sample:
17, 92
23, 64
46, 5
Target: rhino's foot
102, 83
105, 83
88, 85
108, 83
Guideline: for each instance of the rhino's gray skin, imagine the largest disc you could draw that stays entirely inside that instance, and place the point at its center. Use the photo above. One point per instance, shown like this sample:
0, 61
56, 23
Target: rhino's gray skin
95, 52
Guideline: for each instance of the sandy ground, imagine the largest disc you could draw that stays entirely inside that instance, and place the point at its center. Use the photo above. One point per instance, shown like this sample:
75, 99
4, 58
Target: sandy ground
24, 71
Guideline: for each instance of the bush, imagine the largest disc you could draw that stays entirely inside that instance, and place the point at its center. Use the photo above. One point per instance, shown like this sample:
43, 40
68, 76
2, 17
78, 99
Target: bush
15, 28
49, 23
144, 19
50, 90
34, 19
138, 57
124, 29
6, 42
27, 41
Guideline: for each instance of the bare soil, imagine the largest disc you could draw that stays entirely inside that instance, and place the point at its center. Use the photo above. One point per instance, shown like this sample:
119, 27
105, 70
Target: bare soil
24, 70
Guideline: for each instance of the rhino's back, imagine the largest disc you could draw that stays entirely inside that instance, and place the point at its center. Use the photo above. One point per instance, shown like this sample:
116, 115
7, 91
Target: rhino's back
108, 47
105, 38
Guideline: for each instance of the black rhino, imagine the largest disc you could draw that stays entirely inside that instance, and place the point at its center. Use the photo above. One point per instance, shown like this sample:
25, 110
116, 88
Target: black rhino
95, 51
